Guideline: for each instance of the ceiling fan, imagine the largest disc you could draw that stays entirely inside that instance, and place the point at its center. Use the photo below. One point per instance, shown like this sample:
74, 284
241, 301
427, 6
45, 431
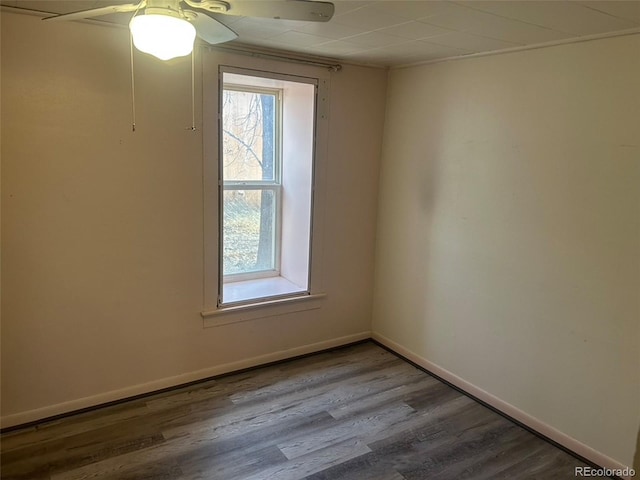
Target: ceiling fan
167, 28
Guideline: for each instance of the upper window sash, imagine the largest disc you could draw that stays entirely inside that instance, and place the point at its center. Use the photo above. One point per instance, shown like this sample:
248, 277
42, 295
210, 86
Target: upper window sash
277, 127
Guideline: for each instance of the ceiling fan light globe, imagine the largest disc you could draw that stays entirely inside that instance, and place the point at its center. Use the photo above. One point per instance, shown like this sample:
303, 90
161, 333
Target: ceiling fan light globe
162, 36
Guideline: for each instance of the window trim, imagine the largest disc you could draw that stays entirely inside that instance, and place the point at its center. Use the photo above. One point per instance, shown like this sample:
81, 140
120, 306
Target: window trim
277, 177
213, 63
268, 308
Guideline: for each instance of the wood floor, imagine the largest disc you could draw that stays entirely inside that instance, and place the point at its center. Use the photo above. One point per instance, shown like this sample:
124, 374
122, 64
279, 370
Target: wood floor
358, 413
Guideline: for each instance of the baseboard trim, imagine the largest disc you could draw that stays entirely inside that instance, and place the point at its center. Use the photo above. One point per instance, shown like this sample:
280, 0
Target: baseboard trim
40, 415
530, 422
52, 412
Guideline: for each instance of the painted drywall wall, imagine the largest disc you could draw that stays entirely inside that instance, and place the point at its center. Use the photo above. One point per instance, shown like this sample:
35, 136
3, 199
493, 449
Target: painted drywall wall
102, 259
509, 231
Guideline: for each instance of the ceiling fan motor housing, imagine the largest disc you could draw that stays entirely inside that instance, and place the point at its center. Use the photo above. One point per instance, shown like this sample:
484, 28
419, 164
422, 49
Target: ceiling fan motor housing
213, 6
163, 7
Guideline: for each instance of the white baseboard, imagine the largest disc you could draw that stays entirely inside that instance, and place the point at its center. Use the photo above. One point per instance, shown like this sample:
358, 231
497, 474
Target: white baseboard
114, 395
557, 436
548, 431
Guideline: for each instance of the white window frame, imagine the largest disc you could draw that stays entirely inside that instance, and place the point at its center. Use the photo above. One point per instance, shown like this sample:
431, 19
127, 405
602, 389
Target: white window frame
212, 313
274, 185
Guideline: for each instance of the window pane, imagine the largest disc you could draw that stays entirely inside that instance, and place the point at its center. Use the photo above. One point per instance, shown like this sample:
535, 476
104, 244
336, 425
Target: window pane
249, 231
248, 123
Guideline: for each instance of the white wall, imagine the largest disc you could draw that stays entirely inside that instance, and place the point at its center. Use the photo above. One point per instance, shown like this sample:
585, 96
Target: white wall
102, 228
509, 238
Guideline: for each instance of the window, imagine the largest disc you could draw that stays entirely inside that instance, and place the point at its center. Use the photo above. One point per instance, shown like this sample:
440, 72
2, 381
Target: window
251, 166
267, 133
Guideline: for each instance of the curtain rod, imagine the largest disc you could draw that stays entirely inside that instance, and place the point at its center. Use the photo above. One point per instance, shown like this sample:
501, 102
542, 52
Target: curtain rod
284, 56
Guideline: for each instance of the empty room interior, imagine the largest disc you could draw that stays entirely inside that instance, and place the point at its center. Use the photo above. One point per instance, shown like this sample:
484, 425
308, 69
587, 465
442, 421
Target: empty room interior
349, 239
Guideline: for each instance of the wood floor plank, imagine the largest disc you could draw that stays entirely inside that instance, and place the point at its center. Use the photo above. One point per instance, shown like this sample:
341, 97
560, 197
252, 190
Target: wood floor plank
356, 413
206, 465
361, 426
74, 425
397, 388
162, 470
188, 448
358, 469
296, 402
317, 460
77, 450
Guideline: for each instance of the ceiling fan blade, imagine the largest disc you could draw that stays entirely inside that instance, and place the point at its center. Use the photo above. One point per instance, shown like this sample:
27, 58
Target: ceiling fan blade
209, 29
96, 12
305, 10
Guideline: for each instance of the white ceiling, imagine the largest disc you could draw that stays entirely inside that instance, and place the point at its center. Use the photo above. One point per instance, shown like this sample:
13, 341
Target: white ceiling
395, 32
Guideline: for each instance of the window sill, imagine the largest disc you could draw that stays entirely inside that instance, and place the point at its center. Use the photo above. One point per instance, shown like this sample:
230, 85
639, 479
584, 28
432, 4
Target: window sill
259, 290
261, 309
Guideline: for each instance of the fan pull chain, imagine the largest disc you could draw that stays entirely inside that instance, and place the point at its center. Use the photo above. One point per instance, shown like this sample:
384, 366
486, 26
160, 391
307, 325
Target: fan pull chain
193, 92
133, 88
